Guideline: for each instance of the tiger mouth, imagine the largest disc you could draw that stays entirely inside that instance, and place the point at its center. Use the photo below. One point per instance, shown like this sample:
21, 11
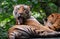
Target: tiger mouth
23, 17
20, 19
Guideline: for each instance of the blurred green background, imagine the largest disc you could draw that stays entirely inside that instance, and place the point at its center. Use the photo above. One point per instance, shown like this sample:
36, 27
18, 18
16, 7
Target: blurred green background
40, 10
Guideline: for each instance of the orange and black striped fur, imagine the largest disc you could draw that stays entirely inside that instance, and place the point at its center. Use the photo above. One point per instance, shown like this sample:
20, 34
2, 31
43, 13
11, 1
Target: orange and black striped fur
25, 31
53, 21
23, 16
26, 24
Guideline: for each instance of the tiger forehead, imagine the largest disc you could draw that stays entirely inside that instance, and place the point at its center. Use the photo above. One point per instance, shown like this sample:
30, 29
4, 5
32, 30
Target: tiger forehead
18, 6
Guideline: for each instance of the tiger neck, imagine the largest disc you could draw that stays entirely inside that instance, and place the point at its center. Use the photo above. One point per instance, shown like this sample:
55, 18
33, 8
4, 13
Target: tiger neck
32, 21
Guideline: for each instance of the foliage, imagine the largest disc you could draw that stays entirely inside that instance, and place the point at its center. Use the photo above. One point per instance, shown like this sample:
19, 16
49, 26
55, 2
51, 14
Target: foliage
39, 10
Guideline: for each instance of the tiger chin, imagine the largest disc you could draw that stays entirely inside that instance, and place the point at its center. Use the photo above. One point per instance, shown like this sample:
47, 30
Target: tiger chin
53, 21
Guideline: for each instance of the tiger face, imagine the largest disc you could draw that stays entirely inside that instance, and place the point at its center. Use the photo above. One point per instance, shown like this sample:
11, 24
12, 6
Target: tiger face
53, 18
21, 12
53, 21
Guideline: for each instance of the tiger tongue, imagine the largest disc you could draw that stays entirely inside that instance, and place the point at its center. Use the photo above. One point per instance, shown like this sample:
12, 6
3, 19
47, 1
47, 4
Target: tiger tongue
21, 20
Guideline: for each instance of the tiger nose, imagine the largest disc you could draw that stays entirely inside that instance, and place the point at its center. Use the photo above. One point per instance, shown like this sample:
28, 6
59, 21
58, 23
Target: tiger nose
20, 12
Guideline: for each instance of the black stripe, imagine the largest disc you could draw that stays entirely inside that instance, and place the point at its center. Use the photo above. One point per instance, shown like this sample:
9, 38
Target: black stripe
23, 31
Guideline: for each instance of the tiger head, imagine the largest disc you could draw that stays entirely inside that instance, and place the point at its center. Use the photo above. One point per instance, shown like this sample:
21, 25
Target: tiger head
52, 19
21, 12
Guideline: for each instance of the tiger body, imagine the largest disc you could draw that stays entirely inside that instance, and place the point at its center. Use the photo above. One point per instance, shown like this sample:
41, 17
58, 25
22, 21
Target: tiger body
25, 31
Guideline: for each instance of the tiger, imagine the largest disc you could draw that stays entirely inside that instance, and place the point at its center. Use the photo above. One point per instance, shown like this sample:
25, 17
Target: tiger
19, 13
53, 21
23, 18
22, 14
26, 31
